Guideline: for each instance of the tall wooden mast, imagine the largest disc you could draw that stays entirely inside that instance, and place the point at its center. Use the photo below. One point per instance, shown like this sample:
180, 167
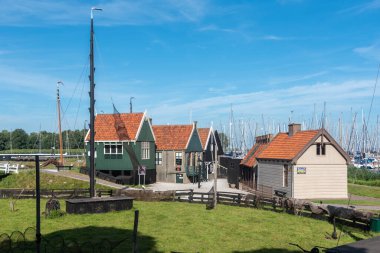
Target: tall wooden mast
92, 108
59, 125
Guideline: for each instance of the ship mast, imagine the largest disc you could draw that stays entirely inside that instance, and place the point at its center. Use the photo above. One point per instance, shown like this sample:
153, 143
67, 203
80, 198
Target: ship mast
59, 125
92, 107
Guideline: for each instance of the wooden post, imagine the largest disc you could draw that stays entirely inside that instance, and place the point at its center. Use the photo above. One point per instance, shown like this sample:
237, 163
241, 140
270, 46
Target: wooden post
134, 236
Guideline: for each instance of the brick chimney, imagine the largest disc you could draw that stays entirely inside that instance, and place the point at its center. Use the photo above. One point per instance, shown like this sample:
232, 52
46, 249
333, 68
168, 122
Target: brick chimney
294, 128
263, 139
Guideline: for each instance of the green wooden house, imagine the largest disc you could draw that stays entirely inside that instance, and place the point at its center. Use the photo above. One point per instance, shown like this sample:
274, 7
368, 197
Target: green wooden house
124, 143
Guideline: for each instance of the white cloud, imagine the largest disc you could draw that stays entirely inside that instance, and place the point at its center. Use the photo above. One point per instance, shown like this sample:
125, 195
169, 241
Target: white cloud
115, 12
361, 8
291, 79
275, 103
216, 28
369, 52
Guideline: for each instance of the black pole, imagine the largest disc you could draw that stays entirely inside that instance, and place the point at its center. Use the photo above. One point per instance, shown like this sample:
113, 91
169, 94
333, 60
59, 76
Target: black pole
199, 173
38, 206
134, 236
92, 112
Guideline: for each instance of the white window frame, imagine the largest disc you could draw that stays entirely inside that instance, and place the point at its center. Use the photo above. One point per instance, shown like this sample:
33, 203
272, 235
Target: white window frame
175, 158
159, 158
145, 150
115, 145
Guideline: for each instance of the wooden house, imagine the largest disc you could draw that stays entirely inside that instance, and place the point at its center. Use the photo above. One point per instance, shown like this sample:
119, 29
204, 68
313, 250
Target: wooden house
304, 164
248, 166
124, 142
212, 149
178, 153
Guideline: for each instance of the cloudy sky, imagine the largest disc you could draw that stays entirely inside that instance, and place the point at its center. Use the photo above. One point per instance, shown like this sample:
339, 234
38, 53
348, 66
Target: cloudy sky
189, 60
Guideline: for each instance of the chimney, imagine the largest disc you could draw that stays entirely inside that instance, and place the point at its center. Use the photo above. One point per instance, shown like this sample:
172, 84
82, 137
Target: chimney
263, 139
195, 124
150, 121
294, 128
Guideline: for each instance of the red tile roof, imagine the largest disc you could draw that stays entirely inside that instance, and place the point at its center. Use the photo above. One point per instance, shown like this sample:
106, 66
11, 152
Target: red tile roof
250, 159
172, 137
287, 147
203, 135
105, 127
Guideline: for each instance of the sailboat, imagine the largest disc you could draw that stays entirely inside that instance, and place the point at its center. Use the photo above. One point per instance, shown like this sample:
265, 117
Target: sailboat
59, 164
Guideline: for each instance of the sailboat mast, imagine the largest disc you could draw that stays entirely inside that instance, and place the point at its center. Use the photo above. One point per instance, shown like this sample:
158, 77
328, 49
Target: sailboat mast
92, 108
59, 125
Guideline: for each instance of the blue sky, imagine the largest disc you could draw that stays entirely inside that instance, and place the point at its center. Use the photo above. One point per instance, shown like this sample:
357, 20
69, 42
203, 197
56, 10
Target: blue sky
189, 60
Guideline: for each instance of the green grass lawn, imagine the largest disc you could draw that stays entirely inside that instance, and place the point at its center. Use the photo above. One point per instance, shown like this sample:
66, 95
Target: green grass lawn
184, 227
26, 179
363, 190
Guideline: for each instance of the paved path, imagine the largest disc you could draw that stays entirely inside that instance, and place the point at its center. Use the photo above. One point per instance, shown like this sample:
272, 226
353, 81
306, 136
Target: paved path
82, 177
222, 186
364, 208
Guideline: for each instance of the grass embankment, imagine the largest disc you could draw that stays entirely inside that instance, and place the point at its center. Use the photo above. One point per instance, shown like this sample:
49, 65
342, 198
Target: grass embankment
359, 190
26, 179
183, 227
363, 176
36, 151
363, 190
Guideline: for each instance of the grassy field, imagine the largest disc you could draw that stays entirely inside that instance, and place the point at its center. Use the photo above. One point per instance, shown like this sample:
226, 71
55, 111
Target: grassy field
183, 227
363, 190
26, 179
36, 151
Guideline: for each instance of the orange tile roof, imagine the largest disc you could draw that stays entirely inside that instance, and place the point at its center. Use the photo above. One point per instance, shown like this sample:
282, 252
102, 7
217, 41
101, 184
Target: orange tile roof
172, 137
287, 148
203, 135
105, 127
250, 159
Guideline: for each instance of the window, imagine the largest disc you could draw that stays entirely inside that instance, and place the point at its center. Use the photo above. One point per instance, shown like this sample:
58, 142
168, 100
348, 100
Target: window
145, 150
285, 176
321, 148
113, 148
158, 158
178, 158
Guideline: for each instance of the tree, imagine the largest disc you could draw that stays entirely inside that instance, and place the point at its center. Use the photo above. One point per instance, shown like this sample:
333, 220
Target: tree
4, 140
19, 139
33, 141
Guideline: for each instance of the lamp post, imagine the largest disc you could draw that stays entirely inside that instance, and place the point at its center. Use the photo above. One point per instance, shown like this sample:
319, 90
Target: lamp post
130, 104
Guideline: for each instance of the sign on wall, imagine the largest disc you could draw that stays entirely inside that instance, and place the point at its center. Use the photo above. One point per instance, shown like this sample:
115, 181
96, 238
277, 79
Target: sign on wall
301, 170
142, 170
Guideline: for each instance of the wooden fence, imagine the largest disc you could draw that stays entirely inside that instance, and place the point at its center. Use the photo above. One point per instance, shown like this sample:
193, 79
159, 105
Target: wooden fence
47, 193
342, 215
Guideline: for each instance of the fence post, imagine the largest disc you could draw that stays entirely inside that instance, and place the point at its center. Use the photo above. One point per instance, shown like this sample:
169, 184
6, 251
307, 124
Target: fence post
134, 236
239, 199
191, 195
